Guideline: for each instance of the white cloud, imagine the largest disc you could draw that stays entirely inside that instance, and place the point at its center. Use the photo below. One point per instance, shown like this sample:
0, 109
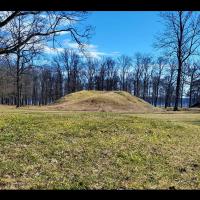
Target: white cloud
52, 51
91, 49
73, 45
63, 33
96, 54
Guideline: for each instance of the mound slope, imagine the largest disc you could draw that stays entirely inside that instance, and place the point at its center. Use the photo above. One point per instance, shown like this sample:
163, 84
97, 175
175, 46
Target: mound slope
103, 101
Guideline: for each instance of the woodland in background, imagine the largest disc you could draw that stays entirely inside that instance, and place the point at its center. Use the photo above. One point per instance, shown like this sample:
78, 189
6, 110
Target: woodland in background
152, 79
163, 79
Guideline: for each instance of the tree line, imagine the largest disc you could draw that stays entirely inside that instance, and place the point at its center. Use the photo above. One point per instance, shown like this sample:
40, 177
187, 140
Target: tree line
167, 78
152, 79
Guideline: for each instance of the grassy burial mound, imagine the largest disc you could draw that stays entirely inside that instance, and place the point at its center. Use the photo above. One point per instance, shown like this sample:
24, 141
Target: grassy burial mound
113, 101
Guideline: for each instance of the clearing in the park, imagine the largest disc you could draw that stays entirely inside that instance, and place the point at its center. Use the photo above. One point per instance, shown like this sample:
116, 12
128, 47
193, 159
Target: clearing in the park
50, 147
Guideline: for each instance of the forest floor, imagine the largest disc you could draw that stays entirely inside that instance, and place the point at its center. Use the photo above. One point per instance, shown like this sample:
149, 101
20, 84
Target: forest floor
42, 149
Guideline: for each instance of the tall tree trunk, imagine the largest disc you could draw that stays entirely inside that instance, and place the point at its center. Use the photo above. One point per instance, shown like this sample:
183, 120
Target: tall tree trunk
137, 87
178, 85
166, 101
18, 83
190, 92
182, 88
156, 96
179, 56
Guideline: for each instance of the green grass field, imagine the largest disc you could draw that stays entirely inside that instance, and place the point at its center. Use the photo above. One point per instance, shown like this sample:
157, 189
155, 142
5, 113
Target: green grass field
98, 150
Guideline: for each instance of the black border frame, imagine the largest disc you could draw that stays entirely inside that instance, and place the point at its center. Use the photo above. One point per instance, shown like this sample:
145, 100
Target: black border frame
101, 5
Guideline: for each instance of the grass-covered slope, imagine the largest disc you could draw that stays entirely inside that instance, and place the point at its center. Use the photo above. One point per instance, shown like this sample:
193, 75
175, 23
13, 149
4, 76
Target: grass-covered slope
97, 150
102, 101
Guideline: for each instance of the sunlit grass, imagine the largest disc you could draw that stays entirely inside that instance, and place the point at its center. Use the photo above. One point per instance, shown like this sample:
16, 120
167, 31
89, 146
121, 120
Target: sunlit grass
98, 150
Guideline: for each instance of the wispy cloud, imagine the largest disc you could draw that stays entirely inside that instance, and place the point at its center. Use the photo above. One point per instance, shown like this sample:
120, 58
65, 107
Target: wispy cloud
52, 51
63, 33
91, 50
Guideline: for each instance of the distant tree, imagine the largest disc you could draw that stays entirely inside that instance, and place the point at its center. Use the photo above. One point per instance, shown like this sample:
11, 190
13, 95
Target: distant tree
91, 68
124, 63
168, 81
110, 71
58, 81
157, 73
47, 81
101, 75
193, 73
137, 73
7, 86
146, 66
184, 77
72, 65
36, 83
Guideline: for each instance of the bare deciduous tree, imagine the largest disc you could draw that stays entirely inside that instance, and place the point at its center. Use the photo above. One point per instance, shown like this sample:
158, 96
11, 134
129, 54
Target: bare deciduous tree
23, 55
44, 25
125, 63
157, 73
181, 38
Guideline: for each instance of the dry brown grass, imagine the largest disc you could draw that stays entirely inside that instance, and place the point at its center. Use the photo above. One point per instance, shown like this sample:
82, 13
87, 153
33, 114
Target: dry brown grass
114, 101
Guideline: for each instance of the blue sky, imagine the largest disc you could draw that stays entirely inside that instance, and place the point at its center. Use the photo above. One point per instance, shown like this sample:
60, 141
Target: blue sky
119, 32
123, 31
